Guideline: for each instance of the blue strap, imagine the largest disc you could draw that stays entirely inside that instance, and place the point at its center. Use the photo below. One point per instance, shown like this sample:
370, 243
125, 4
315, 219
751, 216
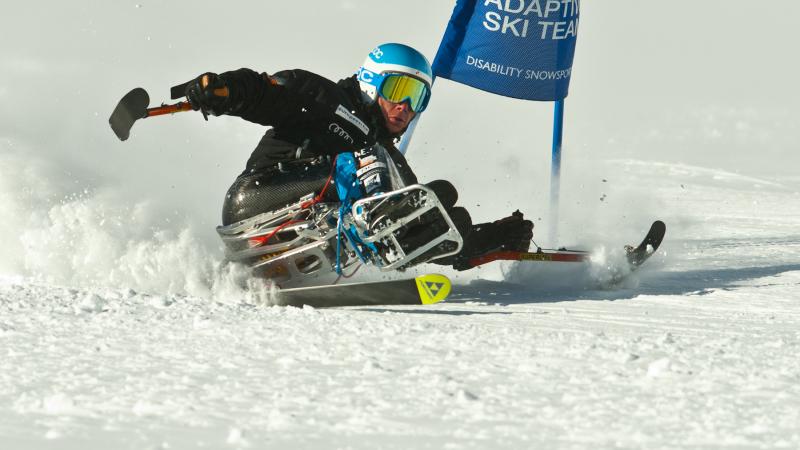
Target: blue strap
349, 190
345, 175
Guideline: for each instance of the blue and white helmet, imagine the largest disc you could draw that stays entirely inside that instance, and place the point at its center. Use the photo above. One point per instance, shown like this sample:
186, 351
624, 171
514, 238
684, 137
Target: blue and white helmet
395, 59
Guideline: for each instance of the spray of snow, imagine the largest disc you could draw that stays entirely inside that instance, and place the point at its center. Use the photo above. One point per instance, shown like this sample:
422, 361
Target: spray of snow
99, 238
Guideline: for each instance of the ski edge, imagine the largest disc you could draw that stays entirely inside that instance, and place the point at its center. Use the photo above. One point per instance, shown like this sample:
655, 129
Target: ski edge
427, 289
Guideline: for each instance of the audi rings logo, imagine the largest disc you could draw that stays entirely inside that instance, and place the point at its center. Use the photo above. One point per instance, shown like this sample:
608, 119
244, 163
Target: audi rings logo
341, 132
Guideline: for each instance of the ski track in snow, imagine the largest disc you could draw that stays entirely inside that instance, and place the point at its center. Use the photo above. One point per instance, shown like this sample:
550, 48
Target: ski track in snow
697, 349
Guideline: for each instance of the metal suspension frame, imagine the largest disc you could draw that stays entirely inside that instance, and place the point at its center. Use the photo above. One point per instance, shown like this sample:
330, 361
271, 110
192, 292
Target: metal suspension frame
309, 248
385, 231
306, 235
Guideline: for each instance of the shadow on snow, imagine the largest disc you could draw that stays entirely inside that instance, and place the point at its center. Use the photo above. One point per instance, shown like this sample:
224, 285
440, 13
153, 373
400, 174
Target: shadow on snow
547, 287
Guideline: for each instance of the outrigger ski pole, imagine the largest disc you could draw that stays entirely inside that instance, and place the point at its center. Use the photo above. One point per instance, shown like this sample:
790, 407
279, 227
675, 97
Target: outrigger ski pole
134, 106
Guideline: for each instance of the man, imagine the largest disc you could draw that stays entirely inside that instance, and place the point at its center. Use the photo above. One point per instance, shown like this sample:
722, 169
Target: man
314, 119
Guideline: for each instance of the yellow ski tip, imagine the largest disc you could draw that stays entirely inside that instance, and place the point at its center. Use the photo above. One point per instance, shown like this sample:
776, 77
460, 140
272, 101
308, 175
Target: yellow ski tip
433, 288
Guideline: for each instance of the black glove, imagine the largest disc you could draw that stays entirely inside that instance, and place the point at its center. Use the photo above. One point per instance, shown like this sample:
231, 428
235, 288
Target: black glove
515, 230
512, 233
209, 94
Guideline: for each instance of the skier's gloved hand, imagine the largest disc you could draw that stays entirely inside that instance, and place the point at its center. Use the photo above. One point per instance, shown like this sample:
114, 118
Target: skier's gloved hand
517, 232
512, 233
209, 94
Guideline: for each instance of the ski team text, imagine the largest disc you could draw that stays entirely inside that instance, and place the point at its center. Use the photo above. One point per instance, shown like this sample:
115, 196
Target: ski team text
558, 19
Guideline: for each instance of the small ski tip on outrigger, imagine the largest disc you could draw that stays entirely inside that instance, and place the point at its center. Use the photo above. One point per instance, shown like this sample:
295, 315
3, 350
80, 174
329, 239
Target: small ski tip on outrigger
135, 105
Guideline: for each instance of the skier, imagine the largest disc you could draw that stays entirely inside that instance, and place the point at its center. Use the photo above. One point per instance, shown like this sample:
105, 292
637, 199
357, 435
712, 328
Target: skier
314, 119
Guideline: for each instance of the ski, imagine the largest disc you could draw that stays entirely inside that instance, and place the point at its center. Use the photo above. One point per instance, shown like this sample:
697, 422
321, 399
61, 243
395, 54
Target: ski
651, 242
422, 290
636, 255
538, 255
131, 108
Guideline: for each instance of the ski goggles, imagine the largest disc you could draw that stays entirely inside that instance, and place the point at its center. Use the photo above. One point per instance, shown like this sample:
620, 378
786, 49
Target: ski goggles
400, 88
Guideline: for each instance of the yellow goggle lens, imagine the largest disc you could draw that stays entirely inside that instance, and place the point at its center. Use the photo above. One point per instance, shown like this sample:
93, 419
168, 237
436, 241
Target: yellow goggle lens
400, 88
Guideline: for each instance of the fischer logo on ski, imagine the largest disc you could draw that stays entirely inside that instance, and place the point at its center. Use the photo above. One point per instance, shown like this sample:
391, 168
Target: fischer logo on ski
433, 288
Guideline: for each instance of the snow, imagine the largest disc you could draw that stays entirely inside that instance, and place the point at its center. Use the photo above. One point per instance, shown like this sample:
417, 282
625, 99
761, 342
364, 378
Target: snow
708, 367
697, 349
121, 328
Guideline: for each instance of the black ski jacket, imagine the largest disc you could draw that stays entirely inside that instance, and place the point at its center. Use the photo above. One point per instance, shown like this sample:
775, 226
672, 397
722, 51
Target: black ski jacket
310, 117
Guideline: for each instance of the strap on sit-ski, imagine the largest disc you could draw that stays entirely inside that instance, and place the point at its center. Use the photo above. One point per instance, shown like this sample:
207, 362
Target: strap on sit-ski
348, 188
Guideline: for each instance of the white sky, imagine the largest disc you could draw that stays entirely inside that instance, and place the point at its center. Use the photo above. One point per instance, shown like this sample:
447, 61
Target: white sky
709, 83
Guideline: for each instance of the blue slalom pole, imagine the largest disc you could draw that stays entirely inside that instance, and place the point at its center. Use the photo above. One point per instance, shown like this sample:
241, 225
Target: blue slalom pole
555, 170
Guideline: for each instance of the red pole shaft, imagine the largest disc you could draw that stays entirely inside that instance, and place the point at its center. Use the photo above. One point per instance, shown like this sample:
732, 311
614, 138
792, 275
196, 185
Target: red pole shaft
169, 109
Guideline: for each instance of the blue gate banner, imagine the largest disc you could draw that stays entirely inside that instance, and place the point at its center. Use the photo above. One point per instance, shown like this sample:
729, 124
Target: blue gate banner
515, 48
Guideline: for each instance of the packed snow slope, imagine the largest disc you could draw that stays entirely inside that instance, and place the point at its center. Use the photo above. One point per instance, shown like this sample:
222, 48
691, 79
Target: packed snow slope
698, 349
121, 328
